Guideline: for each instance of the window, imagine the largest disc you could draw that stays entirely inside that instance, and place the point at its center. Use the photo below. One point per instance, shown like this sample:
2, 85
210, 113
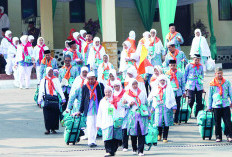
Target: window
29, 8
183, 23
77, 11
4, 4
224, 10
156, 17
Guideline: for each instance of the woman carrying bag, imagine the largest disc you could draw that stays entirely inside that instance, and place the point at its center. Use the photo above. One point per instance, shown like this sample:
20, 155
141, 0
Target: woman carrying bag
48, 99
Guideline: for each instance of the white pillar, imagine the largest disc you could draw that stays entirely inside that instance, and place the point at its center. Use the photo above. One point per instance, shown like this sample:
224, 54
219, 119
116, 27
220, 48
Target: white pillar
109, 30
47, 22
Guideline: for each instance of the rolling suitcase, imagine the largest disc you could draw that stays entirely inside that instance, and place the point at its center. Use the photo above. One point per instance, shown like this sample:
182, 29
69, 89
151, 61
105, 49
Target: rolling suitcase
152, 137
205, 120
73, 130
185, 111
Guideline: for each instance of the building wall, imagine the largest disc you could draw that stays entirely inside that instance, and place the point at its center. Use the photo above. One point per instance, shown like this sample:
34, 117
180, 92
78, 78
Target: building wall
126, 19
222, 29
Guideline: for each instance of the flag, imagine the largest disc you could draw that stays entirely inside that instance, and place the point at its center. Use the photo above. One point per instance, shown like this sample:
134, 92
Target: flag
144, 63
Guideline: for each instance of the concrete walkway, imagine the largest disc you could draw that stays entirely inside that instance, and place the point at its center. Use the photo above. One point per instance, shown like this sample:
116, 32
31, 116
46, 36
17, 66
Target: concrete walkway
22, 133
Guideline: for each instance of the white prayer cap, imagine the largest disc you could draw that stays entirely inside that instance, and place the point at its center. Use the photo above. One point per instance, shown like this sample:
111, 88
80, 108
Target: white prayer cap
76, 34
108, 88
38, 40
113, 72
127, 43
91, 74
170, 43
82, 32
153, 30
15, 39
132, 35
197, 30
146, 34
117, 82
48, 69
84, 68
96, 39
8, 33
30, 37
2, 9
132, 70
24, 39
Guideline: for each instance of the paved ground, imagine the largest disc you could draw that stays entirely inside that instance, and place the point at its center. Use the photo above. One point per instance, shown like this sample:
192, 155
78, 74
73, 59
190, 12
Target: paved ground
22, 128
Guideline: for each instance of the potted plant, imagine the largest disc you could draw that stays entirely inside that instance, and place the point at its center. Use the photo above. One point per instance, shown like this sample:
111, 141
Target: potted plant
92, 27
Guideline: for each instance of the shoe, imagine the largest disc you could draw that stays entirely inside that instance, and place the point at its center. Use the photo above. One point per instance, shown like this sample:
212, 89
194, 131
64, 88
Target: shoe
84, 138
134, 152
141, 154
107, 154
165, 141
229, 139
218, 140
54, 132
159, 137
92, 145
47, 132
125, 150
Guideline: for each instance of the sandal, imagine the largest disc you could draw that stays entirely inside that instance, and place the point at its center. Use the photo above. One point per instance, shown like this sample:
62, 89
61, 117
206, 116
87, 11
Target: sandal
218, 140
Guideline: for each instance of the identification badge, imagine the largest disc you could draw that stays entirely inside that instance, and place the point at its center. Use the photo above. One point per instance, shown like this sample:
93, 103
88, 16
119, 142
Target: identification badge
110, 111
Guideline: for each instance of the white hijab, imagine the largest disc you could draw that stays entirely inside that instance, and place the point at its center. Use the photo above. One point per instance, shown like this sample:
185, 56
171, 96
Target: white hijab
110, 89
132, 35
117, 82
95, 39
153, 30
8, 32
30, 37
82, 32
170, 101
14, 41
200, 42
75, 35
24, 39
128, 44
38, 43
2, 9
133, 80
84, 69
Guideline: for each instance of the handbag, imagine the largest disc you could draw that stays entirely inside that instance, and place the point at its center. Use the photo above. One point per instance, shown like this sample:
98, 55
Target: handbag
118, 122
50, 102
144, 110
27, 58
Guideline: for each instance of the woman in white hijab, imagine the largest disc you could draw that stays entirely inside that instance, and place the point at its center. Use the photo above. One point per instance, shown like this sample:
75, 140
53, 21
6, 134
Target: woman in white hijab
163, 104
24, 60
83, 36
5, 43
66, 47
112, 78
39, 55
137, 126
4, 21
75, 93
52, 86
127, 58
31, 39
157, 72
145, 41
200, 46
103, 70
132, 73
96, 54
131, 39
76, 37
109, 120
11, 53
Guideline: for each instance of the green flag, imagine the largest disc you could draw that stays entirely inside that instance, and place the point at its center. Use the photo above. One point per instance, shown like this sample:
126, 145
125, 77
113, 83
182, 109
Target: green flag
99, 12
213, 46
167, 9
146, 9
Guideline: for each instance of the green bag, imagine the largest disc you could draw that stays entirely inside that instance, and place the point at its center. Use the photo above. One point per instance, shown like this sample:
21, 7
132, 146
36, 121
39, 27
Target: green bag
27, 59
106, 74
118, 122
70, 81
185, 111
36, 95
144, 110
152, 135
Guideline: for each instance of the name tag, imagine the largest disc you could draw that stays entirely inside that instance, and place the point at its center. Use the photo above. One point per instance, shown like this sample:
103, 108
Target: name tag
110, 111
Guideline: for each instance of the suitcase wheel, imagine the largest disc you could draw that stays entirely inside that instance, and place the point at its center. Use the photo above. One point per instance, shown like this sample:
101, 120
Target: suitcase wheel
67, 143
73, 143
203, 138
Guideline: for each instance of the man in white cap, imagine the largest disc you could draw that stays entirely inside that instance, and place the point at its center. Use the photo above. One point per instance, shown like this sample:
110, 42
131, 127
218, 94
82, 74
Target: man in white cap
75, 93
4, 21
175, 54
96, 54
92, 93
